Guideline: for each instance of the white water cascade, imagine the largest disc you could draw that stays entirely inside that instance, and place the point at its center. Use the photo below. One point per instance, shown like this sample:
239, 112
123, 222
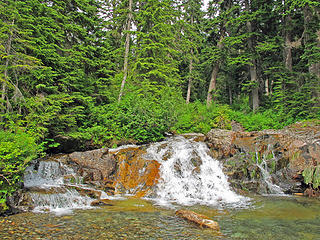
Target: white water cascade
261, 162
189, 175
50, 188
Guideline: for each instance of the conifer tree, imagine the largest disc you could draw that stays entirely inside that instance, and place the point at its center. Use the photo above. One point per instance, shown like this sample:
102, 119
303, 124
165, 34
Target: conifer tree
155, 64
192, 16
127, 48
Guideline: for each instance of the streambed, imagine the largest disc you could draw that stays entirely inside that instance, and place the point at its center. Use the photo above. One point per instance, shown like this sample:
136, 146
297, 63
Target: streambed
269, 217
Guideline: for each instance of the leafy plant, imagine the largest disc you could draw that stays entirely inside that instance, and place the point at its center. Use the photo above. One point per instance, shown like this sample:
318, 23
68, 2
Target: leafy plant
311, 175
16, 150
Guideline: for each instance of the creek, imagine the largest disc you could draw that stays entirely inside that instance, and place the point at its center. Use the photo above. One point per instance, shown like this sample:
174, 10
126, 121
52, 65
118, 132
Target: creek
189, 178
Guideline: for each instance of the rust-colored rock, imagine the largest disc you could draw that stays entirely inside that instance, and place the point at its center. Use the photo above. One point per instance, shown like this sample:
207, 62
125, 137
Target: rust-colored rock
199, 219
135, 174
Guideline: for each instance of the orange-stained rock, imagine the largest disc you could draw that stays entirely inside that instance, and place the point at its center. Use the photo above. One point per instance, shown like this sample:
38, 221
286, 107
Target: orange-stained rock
135, 174
201, 220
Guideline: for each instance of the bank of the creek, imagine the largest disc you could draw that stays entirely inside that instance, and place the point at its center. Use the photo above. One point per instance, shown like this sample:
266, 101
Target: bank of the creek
266, 218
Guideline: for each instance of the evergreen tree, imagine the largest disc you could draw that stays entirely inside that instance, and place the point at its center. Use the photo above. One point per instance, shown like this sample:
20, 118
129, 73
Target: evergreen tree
156, 66
191, 41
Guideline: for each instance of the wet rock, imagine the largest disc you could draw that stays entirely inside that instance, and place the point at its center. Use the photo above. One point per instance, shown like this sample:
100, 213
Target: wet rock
96, 164
88, 192
197, 137
135, 175
286, 152
309, 192
101, 202
201, 220
19, 201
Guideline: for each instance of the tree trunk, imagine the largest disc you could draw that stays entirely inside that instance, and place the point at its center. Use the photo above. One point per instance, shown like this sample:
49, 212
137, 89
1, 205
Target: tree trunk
190, 72
266, 85
255, 90
252, 67
190, 78
214, 74
4, 84
314, 67
287, 54
230, 92
126, 54
212, 85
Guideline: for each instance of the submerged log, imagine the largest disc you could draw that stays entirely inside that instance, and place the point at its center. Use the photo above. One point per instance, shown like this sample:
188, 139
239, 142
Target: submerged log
201, 220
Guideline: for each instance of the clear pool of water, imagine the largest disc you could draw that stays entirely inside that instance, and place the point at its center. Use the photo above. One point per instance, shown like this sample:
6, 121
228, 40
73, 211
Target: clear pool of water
265, 218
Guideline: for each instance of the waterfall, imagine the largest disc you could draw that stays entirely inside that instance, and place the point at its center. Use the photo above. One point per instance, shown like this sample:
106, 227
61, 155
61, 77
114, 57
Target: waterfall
178, 170
189, 175
52, 187
261, 162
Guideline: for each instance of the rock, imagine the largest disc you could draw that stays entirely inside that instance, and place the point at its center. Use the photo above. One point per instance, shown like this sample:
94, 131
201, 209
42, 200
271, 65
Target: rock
197, 137
237, 127
287, 153
19, 201
221, 143
87, 192
136, 175
201, 220
96, 164
101, 202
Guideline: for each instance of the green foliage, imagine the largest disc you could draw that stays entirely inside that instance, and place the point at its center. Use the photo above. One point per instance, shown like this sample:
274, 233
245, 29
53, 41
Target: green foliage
197, 117
61, 66
141, 118
268, 119
16, 150
311, 175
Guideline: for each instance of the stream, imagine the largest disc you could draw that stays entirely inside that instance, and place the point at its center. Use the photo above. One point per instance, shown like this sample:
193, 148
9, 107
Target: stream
267, 218
189, 178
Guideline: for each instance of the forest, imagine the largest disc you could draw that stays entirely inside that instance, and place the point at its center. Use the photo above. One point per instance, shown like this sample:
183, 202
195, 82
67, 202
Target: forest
97, 73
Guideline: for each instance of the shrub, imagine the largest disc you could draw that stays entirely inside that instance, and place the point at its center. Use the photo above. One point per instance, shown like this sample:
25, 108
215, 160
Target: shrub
197, 117
16, 150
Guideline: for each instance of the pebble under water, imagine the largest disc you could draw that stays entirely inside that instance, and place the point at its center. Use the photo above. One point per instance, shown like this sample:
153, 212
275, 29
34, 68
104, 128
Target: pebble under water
266, 218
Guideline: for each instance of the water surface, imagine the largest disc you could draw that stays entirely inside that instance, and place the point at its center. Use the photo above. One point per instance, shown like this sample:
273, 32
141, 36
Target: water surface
266, 218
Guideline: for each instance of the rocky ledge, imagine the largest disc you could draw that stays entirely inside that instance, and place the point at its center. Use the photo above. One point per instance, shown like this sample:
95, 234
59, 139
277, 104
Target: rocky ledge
286, 154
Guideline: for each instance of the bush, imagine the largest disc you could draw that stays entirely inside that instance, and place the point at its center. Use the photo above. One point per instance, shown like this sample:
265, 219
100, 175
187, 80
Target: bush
16, 150
268, 119
197, 117
141, 118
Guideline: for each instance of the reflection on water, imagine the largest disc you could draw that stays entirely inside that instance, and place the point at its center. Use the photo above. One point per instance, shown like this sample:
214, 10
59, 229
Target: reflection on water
267, 218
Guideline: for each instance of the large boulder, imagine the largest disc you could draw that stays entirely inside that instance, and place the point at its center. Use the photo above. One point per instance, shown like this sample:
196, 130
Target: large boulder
285, 153
135, 175
99, 164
